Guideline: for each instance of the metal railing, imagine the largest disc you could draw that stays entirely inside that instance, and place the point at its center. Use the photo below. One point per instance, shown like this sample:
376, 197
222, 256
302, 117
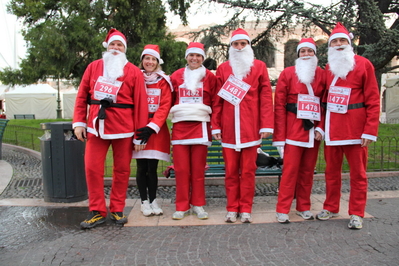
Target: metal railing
383, 154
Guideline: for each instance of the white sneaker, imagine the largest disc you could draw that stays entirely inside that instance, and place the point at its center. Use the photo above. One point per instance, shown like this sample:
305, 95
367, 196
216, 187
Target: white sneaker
231, 217
356, 222
155, 207
178, 215
306, 215
146, 208
200, 212
325, 215
282, 218
246, 217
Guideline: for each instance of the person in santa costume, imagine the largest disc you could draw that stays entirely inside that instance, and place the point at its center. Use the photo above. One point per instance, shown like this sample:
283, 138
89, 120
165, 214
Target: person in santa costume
242, 116
194, 87
115, 92
351, 124
297, 114
159, 91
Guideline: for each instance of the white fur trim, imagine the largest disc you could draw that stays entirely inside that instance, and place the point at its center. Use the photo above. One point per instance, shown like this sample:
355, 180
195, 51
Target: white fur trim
153, 53
306, 44
339, 35
79, 124
117, 38
240, 37
190, 112
195, 50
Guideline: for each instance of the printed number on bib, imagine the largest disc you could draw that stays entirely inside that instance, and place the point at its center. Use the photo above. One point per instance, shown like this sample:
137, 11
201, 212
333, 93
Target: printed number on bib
187, 96
308, 107
153, 98
338, 99
104, 88
234, 90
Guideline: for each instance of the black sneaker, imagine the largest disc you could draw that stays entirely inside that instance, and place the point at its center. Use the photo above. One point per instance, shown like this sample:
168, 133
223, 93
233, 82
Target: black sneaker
94, 219
118, 217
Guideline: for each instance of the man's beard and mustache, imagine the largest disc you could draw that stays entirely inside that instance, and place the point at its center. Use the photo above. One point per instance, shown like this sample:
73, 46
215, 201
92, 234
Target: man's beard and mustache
114, 64
193, 77
241, 61
305, 68
341, 62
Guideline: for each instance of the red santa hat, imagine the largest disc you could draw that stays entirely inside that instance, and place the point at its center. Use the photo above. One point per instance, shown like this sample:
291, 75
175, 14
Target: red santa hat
114, 35
340, 32
195, 48
306, 42
152, 49
239, 34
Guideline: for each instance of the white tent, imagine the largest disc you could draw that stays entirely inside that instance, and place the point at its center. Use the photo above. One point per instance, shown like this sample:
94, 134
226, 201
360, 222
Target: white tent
68, 103
392, 100
37, 99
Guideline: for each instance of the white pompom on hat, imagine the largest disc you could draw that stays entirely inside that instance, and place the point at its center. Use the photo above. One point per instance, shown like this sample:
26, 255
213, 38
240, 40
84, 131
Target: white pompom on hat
195, 48
239, 34
152, 49
306, 42
340, 32
114, 35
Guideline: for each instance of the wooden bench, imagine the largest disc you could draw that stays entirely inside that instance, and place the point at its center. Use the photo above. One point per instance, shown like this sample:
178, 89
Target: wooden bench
216, 163
24, 116
3, 124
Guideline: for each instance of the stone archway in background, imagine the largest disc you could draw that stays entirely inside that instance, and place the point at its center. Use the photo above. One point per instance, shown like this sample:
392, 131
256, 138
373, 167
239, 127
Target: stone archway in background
290, 54
266, 52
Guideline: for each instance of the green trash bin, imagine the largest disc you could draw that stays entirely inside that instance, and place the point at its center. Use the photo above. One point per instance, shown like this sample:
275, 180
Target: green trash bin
63, 168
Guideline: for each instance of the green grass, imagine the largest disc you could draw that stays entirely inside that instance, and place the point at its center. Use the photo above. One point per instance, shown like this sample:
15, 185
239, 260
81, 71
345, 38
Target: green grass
383, 154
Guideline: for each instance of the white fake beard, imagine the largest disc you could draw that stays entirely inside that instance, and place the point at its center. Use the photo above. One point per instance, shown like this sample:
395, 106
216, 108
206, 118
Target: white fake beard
305, 68
241, 61
192, 78
114, 64
341, 62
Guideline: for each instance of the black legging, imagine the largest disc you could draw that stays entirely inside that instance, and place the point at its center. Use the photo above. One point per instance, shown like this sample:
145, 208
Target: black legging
147, 178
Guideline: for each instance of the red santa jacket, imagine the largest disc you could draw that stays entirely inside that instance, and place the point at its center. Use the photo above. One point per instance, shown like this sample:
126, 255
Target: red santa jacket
358, 123
287, 127
241, 125
119, 122
191, 132
159, 103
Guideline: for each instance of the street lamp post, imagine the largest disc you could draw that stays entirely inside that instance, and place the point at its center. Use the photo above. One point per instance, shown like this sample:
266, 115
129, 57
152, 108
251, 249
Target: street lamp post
59, 116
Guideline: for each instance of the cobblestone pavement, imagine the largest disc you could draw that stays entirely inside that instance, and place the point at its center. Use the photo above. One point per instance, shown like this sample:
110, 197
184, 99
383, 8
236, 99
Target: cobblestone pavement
51, 235
27, 182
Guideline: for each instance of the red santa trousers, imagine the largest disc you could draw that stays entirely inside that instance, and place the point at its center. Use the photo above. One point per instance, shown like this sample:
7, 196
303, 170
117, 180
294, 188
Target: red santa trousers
95, 154
240, 178
297, 178
189, 165
357, 160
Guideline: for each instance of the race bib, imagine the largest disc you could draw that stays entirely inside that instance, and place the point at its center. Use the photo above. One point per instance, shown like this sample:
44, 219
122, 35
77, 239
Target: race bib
234, 90
308, 107
104, 88
187, 96
153, 98
338, 99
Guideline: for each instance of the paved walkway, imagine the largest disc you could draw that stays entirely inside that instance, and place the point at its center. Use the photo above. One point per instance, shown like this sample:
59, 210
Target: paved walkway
34, 232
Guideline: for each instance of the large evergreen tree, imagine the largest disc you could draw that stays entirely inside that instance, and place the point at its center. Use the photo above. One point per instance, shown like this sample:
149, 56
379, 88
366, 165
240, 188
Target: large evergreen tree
63, 37
375, 23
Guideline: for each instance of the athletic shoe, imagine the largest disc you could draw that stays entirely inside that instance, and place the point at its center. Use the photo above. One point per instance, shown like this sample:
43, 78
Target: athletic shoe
282, 218
231, 217
155, 207
118, 218
146, 208
325, 215
356, 222
200, 212
178, 215
306, 215
93, 219
246, 217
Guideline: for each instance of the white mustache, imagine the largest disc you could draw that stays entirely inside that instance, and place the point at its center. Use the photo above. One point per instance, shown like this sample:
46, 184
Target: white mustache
340, 47
305, 57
